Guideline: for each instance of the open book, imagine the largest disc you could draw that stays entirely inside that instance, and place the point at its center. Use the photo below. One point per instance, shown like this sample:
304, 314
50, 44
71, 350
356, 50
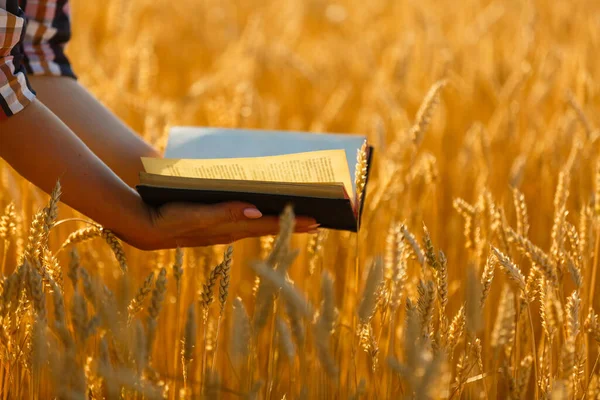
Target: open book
314, 172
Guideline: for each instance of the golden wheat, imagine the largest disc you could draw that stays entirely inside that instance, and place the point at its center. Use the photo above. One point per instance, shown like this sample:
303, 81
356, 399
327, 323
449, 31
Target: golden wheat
482, 119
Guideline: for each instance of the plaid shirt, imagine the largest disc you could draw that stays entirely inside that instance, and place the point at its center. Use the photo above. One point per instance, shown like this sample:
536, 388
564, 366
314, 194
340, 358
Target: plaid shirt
33, 34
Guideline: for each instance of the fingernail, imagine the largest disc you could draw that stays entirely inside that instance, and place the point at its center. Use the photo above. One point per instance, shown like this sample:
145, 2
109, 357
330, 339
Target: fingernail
252, 213
313, 227
313, 231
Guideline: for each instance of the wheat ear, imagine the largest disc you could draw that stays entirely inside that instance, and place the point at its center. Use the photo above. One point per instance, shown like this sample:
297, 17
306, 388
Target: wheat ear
224, 281
455, 331
116, 247
36, 291
35, 238
8, 223
521, 212
468, 212
414, 244
51, 211
360, 174
156, 302
207, 296
425, 305
80, 236
178, 269
224, 271
511, 269
135, 305
425, 112
487, 277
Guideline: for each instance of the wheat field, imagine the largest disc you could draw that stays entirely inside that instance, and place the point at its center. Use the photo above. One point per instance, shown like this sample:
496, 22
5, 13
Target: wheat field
474, 273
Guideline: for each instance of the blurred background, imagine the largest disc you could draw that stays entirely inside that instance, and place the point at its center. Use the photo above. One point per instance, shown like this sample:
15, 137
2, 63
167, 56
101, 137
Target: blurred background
484, 119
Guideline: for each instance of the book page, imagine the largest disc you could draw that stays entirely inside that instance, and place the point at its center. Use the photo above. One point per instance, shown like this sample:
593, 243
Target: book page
208, 143
327, 166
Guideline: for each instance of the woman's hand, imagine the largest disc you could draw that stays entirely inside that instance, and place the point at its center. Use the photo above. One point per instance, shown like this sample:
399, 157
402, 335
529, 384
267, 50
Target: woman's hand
191, 225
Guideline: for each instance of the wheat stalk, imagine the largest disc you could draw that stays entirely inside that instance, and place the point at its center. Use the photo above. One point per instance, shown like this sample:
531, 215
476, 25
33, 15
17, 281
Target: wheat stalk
189, 341
324, 325
241, 331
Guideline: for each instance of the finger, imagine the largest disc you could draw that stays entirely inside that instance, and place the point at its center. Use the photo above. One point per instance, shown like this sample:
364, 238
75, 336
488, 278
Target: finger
232, 234
186, 219
205, 215
266, 225
242, 213
201, 239
306, 230
260, 227
204, 241
254, 233
302, 222
195, 241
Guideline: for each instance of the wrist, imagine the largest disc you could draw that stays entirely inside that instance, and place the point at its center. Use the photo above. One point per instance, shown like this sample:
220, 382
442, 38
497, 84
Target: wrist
134, 223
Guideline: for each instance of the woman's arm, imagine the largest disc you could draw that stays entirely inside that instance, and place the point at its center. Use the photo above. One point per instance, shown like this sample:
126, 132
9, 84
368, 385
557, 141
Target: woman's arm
109, 138
42, 148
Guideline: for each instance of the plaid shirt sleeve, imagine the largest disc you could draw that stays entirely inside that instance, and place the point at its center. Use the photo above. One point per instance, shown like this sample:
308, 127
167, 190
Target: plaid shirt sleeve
15, 92
48, 31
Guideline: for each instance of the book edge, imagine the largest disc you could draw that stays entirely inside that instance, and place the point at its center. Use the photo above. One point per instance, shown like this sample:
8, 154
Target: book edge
335, 190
